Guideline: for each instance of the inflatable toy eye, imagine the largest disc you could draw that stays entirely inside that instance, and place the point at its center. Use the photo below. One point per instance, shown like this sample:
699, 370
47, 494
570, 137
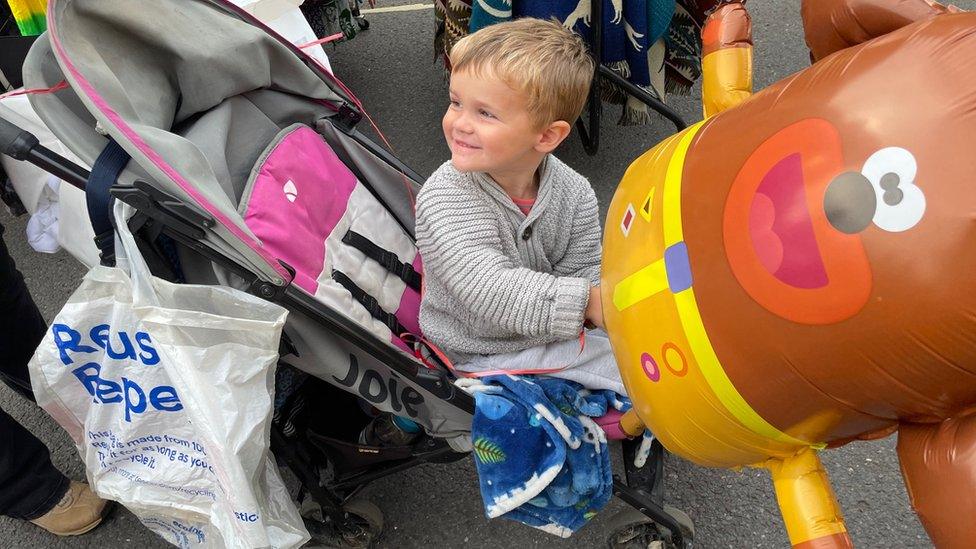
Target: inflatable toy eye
901, 203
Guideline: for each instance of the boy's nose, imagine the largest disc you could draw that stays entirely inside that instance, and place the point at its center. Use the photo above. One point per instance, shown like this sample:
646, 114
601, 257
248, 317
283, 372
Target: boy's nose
463, 123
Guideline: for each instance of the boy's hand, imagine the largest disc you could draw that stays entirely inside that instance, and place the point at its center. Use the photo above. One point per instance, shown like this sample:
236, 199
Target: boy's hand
594, 308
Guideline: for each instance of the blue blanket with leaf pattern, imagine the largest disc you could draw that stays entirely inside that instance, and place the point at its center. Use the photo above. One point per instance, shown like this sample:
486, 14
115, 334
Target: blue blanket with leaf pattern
541, 459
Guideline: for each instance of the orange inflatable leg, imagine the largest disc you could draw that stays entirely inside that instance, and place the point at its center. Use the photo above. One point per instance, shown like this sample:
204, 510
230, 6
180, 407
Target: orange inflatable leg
726, 58
810, 510
631, 423
938, 462
833, 25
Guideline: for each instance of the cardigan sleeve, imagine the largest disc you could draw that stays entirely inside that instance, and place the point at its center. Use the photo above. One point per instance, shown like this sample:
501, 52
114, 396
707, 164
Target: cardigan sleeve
585, 251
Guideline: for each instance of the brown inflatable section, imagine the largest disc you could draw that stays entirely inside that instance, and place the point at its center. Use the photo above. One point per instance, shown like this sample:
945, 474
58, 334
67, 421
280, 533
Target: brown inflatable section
830, 230
727, 27
834, 25
938, 462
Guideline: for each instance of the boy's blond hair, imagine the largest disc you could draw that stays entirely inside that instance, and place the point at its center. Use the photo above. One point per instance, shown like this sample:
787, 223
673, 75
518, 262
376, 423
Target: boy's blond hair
543, 60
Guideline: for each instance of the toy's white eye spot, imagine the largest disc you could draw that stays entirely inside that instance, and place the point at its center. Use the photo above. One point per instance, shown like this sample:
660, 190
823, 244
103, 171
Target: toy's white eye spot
901, 203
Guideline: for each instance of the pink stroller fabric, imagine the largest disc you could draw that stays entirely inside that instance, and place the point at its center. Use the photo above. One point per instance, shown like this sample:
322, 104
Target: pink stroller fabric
300, 201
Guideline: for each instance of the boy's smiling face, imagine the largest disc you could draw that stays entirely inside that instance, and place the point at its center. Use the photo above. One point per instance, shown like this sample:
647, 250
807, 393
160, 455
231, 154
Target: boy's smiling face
489, 128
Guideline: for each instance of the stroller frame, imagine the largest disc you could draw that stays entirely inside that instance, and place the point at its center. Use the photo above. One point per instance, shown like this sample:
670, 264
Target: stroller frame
160, 213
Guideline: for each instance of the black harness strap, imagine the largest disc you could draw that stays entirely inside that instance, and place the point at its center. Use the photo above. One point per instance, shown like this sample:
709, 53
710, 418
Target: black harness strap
370, 303
386, 258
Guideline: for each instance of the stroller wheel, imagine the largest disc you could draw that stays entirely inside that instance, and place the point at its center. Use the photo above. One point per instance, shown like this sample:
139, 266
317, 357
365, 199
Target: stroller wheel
365, 523
359, 527
630, 529
362, 22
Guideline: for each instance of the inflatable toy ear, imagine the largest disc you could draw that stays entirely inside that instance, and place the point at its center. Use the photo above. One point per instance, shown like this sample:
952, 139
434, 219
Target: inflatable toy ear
833, 25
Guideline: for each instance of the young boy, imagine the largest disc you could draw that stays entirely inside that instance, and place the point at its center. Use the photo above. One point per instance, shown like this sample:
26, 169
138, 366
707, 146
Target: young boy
510, 235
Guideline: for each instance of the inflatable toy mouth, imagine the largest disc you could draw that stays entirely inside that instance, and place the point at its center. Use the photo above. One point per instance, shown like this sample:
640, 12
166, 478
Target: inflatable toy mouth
782, 230
780, 245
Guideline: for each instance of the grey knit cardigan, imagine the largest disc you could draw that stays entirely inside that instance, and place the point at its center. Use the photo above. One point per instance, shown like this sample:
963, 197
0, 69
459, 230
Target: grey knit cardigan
496, 280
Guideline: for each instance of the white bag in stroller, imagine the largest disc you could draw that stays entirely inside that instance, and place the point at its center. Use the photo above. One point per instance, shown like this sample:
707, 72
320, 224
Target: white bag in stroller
167, 391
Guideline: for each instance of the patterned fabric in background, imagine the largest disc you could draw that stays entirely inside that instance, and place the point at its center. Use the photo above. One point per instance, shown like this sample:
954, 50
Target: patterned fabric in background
29, 15
452, 19
654, 44
329, 17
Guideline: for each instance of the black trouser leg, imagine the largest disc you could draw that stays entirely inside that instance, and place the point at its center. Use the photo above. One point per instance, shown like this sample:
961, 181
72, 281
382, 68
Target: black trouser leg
30, 485
21, 325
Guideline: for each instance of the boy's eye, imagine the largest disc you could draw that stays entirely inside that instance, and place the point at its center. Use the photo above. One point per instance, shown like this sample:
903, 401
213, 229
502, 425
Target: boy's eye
455, 103
486, 114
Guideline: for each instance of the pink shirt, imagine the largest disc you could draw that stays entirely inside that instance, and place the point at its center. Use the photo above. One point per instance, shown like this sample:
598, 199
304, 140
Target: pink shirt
524, 204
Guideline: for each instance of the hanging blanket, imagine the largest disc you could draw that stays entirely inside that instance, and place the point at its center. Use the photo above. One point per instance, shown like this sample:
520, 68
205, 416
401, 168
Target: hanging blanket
451, 19
654, 44
541, 458
683, 40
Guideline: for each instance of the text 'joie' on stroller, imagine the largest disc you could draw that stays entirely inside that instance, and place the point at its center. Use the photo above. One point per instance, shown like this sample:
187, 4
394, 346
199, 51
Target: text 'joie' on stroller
241, 157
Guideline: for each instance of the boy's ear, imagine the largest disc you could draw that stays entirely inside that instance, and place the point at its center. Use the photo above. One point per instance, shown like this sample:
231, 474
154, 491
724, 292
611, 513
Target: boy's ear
552, 136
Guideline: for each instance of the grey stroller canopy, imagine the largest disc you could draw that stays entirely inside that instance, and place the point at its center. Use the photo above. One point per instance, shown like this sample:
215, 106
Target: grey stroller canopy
192, 90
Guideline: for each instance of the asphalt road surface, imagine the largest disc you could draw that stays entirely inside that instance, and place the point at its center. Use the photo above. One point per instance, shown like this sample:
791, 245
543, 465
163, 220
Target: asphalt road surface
391, 68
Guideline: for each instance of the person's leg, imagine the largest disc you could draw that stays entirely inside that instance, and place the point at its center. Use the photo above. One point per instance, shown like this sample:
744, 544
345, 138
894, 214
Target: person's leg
591, 364
597, 364
31, 488
21, 325
29, 484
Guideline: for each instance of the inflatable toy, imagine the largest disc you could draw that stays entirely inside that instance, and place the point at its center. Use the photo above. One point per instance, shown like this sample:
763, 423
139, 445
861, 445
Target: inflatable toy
797, 270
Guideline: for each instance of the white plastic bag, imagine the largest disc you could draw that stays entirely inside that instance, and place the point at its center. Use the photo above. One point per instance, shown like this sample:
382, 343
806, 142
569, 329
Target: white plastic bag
167, 391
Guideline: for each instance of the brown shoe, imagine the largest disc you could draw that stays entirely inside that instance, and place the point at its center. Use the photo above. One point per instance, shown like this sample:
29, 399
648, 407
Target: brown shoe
79, 511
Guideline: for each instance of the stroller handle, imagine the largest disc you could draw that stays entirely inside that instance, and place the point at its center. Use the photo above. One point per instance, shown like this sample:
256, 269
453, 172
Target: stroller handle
21, 144
15, 142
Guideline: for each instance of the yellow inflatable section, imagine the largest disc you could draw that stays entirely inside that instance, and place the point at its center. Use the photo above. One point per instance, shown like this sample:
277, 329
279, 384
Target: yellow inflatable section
661, 344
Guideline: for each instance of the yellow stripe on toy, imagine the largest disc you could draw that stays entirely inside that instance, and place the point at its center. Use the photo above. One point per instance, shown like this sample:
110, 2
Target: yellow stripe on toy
691, 320
672, 188
30, 16
641, 285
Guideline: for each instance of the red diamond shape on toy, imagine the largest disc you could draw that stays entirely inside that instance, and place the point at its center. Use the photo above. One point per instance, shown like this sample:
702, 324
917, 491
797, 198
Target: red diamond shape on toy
628, 219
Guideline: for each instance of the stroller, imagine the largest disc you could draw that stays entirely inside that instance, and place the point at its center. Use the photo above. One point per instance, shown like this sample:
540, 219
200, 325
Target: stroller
242, 159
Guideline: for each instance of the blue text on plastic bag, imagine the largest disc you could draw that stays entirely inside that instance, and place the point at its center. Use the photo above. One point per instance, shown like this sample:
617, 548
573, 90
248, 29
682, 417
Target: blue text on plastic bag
162, 398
